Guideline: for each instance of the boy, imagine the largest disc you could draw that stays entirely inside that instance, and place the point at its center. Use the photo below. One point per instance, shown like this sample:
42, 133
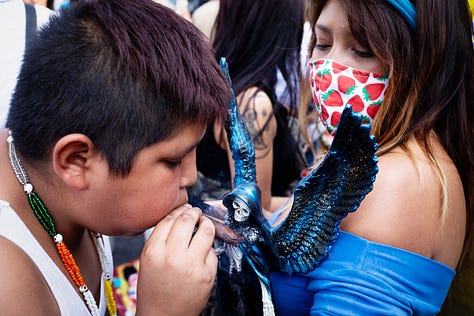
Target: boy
113, 97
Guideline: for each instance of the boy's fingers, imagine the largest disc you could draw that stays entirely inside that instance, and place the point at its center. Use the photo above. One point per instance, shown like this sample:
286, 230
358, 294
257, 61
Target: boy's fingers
163, 228
182, 229
203, 239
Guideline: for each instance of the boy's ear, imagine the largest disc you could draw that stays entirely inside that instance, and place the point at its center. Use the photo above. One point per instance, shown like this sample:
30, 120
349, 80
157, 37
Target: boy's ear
72, 158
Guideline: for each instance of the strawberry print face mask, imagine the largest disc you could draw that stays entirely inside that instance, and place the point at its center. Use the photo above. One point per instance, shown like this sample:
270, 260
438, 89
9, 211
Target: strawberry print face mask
334, 86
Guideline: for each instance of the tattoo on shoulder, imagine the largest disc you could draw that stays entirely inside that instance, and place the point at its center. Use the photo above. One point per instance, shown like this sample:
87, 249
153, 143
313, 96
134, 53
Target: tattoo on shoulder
256, 131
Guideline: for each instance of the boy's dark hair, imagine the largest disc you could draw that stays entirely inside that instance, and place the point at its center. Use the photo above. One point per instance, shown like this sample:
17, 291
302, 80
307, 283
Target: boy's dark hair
125, 73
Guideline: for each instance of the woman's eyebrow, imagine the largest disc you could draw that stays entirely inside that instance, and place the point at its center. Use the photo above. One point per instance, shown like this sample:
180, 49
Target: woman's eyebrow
323, 28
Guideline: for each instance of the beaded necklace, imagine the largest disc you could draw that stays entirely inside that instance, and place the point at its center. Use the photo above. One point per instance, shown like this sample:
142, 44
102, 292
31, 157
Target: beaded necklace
42, 214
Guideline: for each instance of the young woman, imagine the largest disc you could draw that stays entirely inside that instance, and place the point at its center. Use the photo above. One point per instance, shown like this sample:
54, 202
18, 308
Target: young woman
407, 68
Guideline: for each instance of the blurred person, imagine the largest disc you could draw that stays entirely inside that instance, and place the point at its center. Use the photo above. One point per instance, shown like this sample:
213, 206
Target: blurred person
179, 6
204, 17
262, 49
45, 3
18, 23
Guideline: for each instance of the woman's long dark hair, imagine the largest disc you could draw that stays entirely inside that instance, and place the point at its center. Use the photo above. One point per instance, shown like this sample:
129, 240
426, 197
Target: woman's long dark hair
257, 37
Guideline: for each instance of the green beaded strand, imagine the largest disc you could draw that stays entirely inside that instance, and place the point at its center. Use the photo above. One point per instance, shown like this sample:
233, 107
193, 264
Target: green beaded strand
42, 213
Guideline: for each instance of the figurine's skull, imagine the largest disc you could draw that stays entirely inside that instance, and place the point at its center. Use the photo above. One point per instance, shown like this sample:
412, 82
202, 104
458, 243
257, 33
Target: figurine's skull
241, 210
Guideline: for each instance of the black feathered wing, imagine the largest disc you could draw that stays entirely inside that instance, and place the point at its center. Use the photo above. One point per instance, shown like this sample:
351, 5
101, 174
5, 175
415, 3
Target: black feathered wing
326, 196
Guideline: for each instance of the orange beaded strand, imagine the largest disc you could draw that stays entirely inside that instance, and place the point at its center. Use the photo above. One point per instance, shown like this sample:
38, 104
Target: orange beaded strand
70, 264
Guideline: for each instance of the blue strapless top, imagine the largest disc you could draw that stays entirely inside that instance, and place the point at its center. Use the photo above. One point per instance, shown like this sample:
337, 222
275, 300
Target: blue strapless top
360, 277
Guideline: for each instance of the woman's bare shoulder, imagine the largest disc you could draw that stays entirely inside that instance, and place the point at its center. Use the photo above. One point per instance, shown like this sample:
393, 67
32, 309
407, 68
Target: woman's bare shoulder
24, 290
256, 99
404, 209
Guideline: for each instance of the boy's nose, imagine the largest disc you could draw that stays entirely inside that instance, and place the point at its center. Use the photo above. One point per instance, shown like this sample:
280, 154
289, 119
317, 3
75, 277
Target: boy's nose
189, 171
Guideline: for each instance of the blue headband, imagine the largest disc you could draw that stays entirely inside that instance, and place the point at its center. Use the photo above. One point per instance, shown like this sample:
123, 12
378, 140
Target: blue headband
407, 10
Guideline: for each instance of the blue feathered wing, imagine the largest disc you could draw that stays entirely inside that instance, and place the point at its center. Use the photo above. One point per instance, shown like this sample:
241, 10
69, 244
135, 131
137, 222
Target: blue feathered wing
239, 138
326, 196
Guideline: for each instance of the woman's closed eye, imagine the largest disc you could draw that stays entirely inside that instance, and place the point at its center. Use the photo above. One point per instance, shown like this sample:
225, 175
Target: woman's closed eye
363, 53
322, 47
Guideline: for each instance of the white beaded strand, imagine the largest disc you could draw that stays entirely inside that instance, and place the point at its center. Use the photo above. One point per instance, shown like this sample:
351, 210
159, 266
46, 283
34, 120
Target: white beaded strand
90, 300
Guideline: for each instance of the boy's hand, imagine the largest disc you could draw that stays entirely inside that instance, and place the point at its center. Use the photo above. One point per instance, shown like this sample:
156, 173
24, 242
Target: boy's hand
177, 267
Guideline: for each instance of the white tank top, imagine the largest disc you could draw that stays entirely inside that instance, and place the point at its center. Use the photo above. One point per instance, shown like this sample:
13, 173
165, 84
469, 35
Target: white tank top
68, 300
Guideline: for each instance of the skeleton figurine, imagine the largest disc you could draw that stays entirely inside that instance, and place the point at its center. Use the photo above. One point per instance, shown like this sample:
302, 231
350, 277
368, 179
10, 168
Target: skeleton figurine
297, 245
